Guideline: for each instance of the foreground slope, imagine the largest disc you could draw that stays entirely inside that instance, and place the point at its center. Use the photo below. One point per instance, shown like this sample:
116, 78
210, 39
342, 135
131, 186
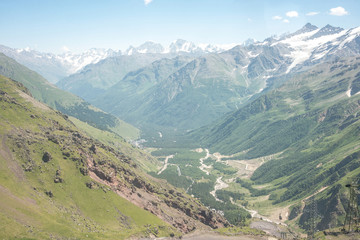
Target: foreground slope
55, 182
309, 127
63, 101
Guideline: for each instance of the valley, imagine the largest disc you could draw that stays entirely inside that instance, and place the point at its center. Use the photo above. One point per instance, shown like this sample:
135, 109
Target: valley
254, 141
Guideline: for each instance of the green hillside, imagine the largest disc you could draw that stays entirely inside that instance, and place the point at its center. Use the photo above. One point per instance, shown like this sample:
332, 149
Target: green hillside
180, 93
94, 79
309, 127
57, 183
63, 101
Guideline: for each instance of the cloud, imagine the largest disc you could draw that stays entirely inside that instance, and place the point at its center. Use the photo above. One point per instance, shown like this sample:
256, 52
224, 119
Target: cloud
147, 2
249, 20
276, 18
286, 21
312, 13
338, 11
65, 49
292, 14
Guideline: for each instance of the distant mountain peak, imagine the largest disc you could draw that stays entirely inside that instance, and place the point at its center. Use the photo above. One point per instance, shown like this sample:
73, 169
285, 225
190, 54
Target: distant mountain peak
309, 27
249, 42
327, 30
305, 29
149, 47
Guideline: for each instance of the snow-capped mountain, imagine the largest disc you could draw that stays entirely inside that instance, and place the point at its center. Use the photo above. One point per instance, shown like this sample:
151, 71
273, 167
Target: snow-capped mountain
312, 45
177, 47
147, 47
276, 55
78, 61
57, 66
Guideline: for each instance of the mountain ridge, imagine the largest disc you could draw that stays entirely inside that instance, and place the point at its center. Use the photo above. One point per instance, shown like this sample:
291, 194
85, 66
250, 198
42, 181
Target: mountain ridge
238, 75
61, 100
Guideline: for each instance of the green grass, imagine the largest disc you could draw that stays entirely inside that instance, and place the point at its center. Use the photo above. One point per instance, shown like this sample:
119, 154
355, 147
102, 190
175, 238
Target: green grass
74, 210
145, 161
64, 101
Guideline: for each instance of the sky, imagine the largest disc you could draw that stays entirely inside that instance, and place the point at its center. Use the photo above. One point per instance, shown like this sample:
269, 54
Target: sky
77, 25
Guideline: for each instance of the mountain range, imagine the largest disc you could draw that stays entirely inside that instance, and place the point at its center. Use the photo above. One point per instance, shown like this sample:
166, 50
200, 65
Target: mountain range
280, 118
197, 90
54, 67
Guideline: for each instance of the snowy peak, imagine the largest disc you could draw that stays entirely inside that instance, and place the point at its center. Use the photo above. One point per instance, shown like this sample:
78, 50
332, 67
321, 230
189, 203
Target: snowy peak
249, 41
311, 45
305, 29
178, 46
181, 45
56, 66
75, 62
327, 30
147, 47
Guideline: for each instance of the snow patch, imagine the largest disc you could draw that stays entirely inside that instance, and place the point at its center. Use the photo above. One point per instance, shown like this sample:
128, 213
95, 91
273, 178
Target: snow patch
303, 46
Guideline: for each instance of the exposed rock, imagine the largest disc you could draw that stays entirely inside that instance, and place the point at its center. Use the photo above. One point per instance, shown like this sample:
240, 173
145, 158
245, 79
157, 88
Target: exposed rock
46, 157
93, 149
84, 171
53, 139
138, 183
58, 178
49, 193
92, 185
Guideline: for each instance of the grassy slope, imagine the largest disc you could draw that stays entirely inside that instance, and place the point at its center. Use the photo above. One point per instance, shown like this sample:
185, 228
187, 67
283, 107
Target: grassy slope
74, 210
64, 101
143, 159
314, 125
178, 94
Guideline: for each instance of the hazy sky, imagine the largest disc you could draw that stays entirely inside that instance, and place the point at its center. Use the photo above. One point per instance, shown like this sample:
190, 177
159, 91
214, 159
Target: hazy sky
77, 25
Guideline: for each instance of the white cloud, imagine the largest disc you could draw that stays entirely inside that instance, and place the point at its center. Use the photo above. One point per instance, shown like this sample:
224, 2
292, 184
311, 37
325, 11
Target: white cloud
249, 20
312, 13
276, 18
147, 1
65, 49
338, 11
292, 14
286, 21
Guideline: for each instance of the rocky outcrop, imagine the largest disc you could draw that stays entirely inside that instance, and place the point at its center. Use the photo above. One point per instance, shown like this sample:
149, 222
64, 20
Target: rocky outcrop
46, 157
153, 195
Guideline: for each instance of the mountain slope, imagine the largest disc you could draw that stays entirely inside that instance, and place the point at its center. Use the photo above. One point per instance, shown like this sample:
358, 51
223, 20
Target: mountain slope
94, 79
184, 93
211, 85
64, 101
56, 66
57, 183
309, 127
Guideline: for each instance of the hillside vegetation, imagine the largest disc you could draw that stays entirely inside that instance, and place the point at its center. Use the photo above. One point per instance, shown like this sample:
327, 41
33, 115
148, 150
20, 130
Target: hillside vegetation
311, 125
63, 101
58, 183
